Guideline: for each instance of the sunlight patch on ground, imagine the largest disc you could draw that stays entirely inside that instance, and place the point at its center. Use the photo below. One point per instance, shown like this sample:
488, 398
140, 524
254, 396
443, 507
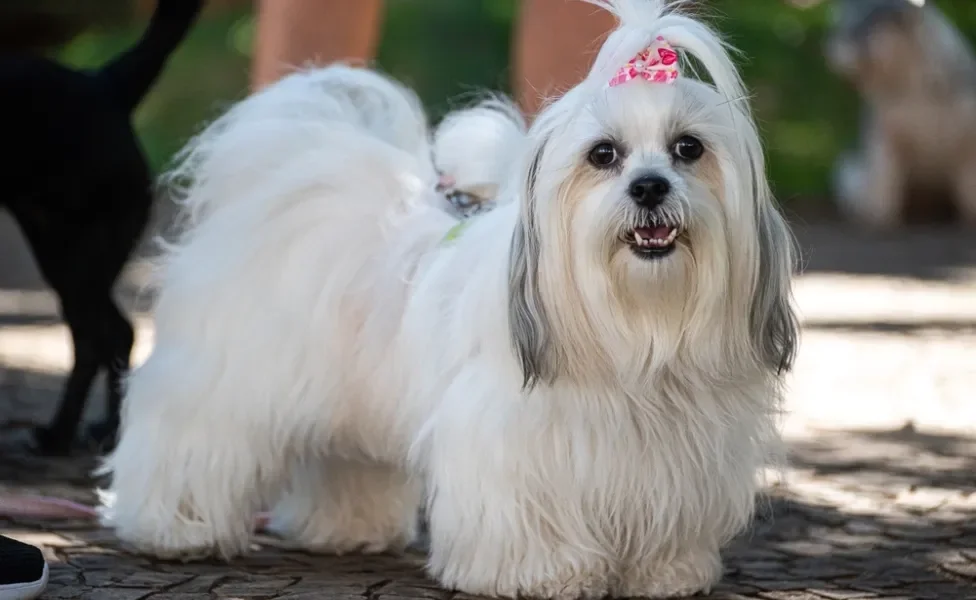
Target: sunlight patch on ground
871, 298
47, 348
27, 303
902, 350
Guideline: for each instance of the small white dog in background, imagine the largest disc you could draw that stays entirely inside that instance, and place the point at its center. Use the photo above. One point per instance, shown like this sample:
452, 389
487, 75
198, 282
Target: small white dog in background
915, 161
475, 152
585, 380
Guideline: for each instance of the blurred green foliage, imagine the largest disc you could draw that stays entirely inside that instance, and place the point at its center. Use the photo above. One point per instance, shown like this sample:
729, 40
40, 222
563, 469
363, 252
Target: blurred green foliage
447, 49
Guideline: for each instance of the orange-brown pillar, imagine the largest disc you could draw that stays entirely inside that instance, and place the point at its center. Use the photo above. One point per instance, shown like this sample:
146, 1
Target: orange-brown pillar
555, 44
555, 40
294, 33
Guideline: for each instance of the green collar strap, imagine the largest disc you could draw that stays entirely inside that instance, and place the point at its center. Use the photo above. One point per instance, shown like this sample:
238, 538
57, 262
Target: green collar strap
455, 232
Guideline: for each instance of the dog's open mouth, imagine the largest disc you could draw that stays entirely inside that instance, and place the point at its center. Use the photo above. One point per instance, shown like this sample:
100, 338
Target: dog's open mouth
652, 241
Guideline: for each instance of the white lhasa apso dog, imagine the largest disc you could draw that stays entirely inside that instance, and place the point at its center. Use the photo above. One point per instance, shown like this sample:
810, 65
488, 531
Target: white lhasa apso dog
582, 383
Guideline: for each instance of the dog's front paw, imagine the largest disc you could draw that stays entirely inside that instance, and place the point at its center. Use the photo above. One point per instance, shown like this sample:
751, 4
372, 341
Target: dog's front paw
672, 579
153, 530
338, 507
177, 553
586, 586
574, 586
580, 577
328, 534
333, 538
184, 543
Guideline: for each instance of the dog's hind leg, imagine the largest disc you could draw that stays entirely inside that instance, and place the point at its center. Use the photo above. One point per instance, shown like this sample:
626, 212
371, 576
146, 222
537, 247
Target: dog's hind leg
194, 462
55, 249
81, 261
339, 506
116, 338
58, 436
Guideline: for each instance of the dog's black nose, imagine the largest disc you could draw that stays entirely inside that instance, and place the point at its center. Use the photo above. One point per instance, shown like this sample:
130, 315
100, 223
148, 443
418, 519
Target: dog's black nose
649, 191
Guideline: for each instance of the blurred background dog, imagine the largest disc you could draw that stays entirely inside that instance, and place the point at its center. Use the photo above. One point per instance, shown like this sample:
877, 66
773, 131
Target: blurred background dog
916, 74
80, 188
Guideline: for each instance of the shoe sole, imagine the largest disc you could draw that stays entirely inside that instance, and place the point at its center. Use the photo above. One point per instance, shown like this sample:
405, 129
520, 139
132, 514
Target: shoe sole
25, 591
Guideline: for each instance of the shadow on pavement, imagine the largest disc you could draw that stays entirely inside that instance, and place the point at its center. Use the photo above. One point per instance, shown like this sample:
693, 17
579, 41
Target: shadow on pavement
887, 514
922, 253
884, 326
919, 470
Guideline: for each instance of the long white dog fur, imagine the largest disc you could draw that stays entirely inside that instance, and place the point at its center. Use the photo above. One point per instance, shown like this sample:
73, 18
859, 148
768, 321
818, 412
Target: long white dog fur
579, 418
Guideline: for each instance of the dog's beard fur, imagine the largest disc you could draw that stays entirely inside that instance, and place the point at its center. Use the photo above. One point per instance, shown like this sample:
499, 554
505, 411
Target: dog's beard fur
583, 420
917, 76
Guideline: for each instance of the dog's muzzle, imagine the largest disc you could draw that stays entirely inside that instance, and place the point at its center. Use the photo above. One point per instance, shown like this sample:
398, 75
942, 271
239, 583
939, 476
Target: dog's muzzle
654, 232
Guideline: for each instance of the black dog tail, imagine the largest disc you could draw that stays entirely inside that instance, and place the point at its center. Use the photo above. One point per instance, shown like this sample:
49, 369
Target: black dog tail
132, 74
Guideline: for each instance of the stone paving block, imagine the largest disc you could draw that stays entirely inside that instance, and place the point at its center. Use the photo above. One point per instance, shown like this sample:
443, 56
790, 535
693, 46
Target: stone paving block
153, 580
967, 570
787, 584
253, 588
115, 594
197, 584
789, 596
399, 590
842, 594
938, 591
317, 595
965, 541
730, 586
64, 592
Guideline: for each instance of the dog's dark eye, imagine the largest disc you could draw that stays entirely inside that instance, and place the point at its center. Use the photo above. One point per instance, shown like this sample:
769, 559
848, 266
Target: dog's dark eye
688, 148
603, 155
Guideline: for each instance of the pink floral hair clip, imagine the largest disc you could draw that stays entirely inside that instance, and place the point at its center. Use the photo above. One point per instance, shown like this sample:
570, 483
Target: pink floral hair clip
657, 63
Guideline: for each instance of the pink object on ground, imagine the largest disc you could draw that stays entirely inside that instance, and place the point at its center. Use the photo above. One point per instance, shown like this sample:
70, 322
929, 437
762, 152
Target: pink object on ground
46, 507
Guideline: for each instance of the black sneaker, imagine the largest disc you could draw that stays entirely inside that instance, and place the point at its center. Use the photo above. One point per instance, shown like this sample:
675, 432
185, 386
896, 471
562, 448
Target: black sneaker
23, 570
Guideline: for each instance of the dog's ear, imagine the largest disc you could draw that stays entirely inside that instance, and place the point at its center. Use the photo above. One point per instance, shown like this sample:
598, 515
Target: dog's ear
774, 328
529, 326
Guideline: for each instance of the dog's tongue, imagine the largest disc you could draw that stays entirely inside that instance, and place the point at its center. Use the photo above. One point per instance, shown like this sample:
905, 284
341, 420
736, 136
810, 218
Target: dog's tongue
659, 232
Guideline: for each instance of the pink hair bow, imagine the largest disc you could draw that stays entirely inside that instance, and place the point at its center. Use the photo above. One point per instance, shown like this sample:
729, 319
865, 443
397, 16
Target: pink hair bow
657, 63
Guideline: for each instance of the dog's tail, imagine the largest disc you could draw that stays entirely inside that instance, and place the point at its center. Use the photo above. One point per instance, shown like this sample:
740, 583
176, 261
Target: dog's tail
475, 147
131, 75
302, 115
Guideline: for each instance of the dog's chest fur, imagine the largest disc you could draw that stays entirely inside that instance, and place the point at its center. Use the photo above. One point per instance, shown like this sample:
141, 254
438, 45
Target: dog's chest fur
641, 471
670, 459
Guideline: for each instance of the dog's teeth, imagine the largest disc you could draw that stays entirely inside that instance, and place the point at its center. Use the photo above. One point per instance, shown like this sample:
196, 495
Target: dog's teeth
655, 242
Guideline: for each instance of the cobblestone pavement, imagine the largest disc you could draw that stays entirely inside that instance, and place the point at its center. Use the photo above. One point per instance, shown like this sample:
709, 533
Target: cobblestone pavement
879, 501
